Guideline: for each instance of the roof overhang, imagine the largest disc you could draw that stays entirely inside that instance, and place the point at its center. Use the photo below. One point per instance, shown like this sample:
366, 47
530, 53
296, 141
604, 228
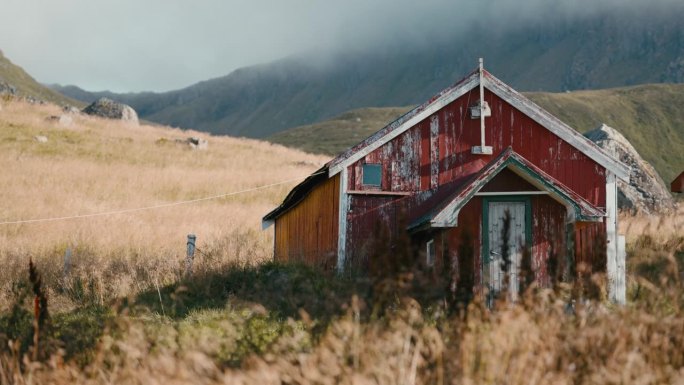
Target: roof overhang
296, 195
403, 123
496, 86
446, 214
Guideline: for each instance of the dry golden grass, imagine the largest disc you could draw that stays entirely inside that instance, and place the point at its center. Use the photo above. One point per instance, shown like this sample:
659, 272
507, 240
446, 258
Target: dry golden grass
228, 325
661, 228
97, 165
537, 342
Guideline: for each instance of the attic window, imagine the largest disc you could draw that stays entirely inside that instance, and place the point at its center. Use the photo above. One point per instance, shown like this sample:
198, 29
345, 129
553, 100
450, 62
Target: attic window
372, 174
475, 110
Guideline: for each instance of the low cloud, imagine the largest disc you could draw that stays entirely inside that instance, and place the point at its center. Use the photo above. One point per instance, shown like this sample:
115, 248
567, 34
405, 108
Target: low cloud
132, 45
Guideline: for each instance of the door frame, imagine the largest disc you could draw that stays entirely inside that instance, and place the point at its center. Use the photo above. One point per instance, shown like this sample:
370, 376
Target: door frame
527, 200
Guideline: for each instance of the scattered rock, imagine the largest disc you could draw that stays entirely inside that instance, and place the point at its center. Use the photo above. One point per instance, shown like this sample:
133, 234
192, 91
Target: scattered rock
41, 138
108, 108
7, 89
198, 143
71, 110
62, 120
194, 142
646, 191
32, 100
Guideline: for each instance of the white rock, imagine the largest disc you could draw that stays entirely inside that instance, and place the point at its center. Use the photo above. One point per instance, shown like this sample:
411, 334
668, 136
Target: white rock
62, 120
198, 143
646, 191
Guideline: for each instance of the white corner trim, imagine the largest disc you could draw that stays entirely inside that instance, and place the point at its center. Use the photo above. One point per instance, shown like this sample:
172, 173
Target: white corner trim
621, 284
435, 106
343, 207
614, 293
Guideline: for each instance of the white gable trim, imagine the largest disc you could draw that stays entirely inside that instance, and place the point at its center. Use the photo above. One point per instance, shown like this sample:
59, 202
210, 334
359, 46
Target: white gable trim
560, 129
438, 104
526, 106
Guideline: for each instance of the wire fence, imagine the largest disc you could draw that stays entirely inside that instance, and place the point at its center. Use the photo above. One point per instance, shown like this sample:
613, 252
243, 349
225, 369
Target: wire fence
152, 207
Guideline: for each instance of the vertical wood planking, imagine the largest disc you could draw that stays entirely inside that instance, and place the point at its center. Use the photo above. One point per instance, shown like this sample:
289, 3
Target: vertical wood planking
308, 231
453, 132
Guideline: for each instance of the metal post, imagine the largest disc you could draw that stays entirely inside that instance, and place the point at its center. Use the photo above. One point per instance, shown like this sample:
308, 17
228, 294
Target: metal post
482, 102
190, 255
67, 263
482, 149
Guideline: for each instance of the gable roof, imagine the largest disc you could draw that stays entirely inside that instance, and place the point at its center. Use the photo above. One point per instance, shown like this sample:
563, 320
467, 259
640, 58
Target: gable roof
446, 214
503, 91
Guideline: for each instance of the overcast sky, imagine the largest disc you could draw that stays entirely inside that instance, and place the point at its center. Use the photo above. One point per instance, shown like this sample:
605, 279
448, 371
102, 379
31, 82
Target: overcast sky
136, 45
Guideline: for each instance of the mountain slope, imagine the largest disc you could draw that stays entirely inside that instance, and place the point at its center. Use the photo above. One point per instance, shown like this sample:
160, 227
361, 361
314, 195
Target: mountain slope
606, 50
337, 134
14, 76
649, 116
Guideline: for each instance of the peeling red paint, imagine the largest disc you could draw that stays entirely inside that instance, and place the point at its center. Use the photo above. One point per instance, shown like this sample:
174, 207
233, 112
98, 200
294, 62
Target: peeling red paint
434, 158
427, 164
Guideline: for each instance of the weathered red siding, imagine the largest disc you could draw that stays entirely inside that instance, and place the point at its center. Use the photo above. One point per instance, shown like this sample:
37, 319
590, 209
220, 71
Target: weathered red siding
677, 184
590, 247
548, 237
366, 213
308, 232
434, 156
446, 138
463, 245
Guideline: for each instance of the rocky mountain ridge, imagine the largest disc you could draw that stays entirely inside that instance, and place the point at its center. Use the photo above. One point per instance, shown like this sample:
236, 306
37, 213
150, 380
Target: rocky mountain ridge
605, 50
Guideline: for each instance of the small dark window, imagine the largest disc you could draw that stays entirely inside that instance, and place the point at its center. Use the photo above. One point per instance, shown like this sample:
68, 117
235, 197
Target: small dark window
372, 174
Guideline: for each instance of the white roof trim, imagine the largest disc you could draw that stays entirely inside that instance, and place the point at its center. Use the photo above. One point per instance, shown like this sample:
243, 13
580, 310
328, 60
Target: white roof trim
556, 126
468, 84
517, 100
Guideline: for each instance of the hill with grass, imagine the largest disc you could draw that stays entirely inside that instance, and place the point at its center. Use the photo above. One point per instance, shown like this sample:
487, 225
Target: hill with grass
612, 49
107, 207
89, 165
648, 115
14, 80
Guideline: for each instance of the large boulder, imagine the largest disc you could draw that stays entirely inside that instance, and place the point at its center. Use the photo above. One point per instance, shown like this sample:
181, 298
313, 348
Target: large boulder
646, 192
108, 108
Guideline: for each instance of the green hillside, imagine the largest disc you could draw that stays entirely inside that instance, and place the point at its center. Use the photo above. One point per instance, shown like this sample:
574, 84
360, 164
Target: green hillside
14, 76
650, 116
333, 136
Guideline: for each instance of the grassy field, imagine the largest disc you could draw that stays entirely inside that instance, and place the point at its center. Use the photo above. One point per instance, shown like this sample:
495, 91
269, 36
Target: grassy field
649, 116
96, 165
124, 313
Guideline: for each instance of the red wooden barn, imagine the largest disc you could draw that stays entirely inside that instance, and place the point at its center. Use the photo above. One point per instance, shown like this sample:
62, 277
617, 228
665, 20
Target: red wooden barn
677, 184
447, 173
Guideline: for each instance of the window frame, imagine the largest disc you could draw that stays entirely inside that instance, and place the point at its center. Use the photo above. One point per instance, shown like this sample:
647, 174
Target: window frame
363, 175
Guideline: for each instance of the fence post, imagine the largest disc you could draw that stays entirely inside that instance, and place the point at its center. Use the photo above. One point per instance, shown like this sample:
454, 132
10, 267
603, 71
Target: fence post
67, 263
190, 255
